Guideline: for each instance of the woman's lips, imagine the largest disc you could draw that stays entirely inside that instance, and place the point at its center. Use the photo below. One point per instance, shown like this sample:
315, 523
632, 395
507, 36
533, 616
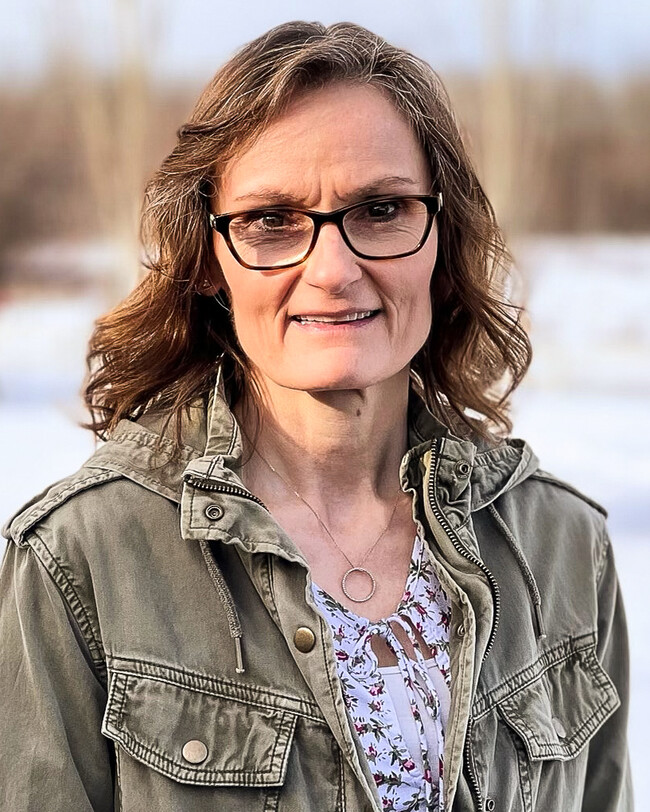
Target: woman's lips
349, 319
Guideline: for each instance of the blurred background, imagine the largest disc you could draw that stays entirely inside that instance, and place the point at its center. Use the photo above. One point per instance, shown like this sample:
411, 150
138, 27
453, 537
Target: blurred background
554, 99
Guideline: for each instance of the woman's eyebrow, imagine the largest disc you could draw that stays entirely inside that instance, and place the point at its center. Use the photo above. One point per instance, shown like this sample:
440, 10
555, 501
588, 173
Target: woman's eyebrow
380, 186
383, 186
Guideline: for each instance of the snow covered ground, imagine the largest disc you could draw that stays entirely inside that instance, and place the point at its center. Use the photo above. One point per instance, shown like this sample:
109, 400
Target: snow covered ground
584, 407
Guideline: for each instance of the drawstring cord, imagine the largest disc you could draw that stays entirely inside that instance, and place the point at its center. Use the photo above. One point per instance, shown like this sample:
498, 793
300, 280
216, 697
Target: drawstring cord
531, 584
234, 623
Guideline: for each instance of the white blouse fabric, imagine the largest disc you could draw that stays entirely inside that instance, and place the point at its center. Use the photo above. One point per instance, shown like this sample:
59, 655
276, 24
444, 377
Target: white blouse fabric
396, 688
399, 712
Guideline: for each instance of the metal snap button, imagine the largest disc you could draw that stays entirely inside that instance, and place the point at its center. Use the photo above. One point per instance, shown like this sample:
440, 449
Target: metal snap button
490, 805
213, 512
460, 630
558, 727
195, 751
304, 639
463, 468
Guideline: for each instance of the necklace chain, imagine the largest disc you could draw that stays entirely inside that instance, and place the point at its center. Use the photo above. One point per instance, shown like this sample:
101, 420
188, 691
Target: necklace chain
353, 568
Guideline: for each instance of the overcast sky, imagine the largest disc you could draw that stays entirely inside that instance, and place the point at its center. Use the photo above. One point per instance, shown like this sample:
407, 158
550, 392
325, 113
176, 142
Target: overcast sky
188, 39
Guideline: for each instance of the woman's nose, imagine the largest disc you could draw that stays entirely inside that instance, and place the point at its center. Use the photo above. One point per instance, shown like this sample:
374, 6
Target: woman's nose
331, 265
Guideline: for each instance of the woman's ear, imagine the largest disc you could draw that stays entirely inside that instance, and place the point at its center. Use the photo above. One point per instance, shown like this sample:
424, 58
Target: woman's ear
213, 280
208, 288
215, 290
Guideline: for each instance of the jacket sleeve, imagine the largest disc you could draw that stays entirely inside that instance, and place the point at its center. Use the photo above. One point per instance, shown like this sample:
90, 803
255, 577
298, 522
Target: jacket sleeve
609, 784
52, 753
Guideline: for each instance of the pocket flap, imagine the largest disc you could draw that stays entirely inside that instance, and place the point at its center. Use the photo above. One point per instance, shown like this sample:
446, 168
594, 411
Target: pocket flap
556, 714
195, 736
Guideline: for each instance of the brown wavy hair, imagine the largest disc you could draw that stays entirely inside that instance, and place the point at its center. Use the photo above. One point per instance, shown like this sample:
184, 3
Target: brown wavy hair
159, 349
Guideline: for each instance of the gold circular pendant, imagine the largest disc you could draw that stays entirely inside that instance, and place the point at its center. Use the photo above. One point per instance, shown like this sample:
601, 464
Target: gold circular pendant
373, 584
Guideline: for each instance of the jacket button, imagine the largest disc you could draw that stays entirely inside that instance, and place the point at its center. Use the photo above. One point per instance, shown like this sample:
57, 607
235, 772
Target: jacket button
463, 468
558, 727
304, 639
490, 805
195, 751
213, 512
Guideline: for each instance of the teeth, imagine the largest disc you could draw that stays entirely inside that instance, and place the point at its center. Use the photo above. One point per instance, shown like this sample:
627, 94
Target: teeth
335, 319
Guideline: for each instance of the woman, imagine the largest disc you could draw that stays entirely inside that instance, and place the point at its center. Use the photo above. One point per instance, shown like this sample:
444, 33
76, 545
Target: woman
306, 571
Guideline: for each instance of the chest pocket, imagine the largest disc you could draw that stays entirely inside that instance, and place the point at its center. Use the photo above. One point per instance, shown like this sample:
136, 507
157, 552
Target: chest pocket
530, 740
199, 738
556, 713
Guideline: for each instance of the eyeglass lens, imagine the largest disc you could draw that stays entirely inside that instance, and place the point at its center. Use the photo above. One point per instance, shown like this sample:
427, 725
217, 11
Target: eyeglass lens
379, 229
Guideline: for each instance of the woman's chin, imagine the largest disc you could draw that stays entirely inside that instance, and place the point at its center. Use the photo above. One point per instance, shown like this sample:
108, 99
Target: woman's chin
332, 379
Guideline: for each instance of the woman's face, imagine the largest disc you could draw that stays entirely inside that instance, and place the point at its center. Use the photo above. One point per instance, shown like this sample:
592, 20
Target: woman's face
333, 147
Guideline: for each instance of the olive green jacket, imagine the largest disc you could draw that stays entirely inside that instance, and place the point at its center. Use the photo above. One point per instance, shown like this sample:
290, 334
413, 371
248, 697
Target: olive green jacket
161, 650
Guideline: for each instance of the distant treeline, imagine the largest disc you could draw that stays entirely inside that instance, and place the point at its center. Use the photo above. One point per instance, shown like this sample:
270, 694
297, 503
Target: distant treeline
557, 153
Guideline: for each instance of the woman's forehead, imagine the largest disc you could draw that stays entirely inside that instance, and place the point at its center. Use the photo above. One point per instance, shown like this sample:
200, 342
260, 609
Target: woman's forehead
339, 140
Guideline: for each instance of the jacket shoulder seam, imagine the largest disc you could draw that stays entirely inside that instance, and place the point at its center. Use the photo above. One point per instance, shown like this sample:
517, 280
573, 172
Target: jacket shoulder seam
605, 544
25, 520
70, 595
544, 476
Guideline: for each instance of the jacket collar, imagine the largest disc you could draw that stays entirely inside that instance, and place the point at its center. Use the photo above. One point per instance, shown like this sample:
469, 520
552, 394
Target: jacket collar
472, 473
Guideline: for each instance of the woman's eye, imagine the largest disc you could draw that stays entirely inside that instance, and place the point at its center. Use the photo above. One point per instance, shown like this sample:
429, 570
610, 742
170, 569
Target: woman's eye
270, 220
385, 210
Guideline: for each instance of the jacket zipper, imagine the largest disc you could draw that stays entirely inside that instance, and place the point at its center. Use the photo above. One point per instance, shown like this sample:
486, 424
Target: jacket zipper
222, 487
469, 765
460, 547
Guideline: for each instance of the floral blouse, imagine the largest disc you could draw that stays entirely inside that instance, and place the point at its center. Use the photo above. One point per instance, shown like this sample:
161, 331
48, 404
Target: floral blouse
401, 784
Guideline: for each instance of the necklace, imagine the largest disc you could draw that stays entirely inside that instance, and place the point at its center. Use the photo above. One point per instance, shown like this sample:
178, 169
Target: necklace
353, 568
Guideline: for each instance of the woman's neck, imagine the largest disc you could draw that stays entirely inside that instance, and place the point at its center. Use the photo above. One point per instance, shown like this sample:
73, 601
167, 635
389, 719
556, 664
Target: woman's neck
332, 447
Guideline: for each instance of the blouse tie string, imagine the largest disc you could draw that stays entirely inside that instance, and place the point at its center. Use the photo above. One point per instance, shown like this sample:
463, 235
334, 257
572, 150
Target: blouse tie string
417, 681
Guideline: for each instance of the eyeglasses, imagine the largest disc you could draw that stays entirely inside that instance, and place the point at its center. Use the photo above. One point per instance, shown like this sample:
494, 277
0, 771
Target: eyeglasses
280, 237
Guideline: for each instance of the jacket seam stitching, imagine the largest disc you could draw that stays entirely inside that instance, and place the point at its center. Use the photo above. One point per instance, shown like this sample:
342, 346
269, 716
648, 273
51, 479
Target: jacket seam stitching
605, 545
43, 507
290, 732
522, 767
567, 748
137, 476
163, 762
207, 678
277, 739
327, 673
229, 698
86, 627
151, 440
542, 476
233, 435
537, 675
271, 796
120, 709
528, 683
341, 799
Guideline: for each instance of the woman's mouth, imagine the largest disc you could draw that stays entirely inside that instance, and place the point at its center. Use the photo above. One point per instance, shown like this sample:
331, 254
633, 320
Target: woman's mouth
346, 319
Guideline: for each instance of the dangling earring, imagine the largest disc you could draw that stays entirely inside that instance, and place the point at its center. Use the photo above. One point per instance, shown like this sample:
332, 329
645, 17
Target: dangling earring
219, 299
